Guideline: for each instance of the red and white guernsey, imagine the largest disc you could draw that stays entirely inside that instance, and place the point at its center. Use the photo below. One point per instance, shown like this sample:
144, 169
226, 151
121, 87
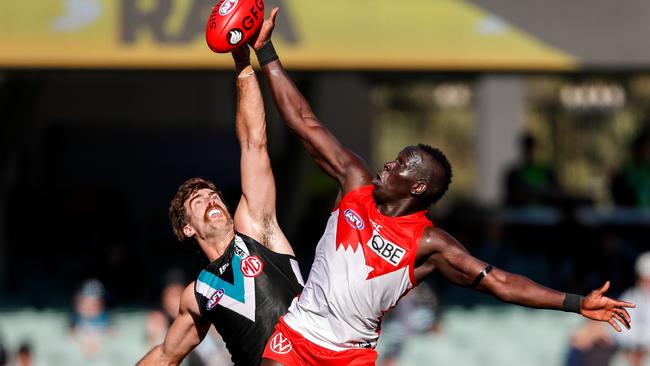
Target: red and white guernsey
364, 263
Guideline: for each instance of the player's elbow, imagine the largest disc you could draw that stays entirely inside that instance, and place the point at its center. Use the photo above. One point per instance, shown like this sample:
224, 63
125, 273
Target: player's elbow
505, 295
300, 118
166, 358
155, 357
502, 289
253, 143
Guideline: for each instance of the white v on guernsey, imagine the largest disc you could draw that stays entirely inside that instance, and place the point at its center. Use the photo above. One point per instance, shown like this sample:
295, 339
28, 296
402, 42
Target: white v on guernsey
363, 265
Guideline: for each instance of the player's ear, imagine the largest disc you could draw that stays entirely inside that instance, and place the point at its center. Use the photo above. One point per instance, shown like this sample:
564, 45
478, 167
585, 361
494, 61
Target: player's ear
188, 231
419, 188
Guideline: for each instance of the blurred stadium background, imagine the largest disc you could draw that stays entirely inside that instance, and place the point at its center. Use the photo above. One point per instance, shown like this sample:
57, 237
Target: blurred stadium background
108, 105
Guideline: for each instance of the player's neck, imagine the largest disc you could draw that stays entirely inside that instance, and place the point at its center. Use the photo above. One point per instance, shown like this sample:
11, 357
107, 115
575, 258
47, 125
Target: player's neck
216, 246
397, 208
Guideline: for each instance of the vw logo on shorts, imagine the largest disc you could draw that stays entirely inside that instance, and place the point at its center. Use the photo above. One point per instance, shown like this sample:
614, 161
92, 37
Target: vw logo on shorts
280, 344
354, 219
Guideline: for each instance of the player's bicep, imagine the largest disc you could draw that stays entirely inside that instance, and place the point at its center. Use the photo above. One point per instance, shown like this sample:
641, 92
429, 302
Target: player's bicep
182, 337
187, 330
453, 261
242, 219
261, 225
257, 182
333, 158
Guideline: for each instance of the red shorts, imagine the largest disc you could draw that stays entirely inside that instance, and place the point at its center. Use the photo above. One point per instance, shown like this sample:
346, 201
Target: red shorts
291, 349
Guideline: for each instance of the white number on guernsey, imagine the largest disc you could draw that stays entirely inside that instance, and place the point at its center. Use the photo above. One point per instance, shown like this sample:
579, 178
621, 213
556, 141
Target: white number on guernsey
391, 253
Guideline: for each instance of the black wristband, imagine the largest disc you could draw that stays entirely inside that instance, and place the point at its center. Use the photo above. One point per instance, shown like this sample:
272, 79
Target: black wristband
572, 303
266, 53
480, 276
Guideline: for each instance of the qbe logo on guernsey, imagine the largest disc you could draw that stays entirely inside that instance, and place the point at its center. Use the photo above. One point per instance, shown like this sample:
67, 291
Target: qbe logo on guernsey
390, 252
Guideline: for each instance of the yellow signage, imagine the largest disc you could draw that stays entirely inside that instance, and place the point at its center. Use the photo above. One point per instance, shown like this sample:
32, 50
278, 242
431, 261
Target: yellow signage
310, 34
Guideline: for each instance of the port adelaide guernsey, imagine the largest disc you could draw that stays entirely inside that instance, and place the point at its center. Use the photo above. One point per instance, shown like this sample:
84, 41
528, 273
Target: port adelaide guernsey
243, 294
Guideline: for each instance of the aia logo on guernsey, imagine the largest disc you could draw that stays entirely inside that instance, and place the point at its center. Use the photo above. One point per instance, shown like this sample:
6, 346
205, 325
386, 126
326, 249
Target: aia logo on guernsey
214, 300
251, 266
227, 6
354, 219
280, 344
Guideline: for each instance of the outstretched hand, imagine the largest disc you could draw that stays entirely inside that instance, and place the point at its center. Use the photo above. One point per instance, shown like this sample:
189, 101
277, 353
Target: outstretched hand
265, 31
596, 306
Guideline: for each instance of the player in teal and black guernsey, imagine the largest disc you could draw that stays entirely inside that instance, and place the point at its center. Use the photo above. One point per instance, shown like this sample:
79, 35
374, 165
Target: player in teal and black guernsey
253, 275
239, 294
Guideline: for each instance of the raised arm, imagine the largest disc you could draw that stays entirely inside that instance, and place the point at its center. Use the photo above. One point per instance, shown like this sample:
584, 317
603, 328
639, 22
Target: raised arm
255, 215
326, 150
187, 331
440, 251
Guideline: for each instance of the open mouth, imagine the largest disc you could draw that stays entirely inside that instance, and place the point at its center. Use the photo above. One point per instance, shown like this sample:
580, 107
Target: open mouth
213, 212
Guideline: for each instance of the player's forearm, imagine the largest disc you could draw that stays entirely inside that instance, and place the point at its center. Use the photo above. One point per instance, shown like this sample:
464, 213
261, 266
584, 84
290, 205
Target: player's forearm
156, 357
292, 105
516, 289
324, 148
251, 127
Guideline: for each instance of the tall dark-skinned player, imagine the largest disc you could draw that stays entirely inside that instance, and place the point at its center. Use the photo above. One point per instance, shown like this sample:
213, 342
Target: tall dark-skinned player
378, 244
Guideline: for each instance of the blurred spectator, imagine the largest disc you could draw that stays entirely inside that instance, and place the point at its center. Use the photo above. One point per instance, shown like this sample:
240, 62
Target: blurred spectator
90, 321
3, 356
636, 343
630, 186
159, 320
591, 345
24, 355
530, 182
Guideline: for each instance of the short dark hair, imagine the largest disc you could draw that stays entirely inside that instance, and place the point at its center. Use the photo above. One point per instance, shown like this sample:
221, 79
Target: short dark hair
441, 184
177, 213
